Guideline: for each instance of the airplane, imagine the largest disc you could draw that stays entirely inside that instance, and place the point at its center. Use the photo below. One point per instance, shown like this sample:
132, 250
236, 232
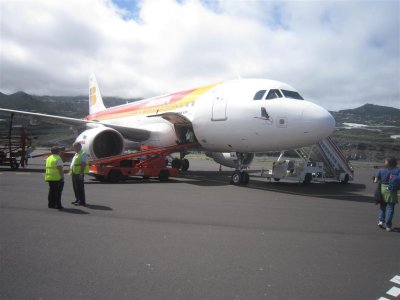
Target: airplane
230, 121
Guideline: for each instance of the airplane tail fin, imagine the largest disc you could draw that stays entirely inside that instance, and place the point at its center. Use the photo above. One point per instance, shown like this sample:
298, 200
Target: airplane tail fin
95, 100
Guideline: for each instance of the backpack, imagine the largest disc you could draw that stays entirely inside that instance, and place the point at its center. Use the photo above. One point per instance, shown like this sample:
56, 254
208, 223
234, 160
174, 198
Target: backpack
394, 182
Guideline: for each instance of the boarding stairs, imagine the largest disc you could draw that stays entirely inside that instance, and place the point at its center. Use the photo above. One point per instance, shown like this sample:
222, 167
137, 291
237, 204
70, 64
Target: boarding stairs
336, 165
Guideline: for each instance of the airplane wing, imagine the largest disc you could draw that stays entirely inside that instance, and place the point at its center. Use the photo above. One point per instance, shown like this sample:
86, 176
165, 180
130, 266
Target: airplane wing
134, 134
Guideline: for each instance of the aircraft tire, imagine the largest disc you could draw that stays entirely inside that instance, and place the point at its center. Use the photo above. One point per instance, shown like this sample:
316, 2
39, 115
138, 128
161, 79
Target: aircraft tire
14, 165
236, 178
346, 179
99, 177
245, 178
114, 176
176, 163
307, 179
185, 164
164, 175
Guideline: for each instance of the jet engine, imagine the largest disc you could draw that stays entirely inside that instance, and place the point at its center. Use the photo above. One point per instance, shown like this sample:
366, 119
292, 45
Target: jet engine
229, 159
101, 142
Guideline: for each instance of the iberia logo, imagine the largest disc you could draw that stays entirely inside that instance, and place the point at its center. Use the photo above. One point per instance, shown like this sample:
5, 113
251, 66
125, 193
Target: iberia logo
93, 96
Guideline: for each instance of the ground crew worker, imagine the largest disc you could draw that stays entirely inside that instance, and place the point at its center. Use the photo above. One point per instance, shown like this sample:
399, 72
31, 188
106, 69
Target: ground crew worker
55, 177
388, 198
79, 167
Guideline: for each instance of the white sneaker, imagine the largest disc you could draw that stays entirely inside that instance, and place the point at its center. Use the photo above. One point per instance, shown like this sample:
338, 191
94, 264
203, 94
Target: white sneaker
380, 224
388, 229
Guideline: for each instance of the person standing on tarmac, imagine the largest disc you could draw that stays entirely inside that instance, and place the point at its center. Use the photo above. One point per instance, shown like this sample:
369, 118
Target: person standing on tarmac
389, 197
79, 167
55, 177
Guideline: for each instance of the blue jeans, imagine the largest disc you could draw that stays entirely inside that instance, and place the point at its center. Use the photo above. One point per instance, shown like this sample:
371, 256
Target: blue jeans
386, 211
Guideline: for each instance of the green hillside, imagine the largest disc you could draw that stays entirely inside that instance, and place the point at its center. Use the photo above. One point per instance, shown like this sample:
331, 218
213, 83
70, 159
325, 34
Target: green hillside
371, 143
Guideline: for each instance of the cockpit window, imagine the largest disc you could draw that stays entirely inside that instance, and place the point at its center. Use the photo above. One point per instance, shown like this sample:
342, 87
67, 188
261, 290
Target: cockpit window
292, 95
259, 95
272, 94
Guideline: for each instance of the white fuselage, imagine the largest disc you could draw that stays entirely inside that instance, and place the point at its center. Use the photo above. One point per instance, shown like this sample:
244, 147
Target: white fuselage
227, 117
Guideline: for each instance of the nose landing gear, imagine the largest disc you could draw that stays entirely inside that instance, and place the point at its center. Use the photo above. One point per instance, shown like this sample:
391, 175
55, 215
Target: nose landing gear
240, 177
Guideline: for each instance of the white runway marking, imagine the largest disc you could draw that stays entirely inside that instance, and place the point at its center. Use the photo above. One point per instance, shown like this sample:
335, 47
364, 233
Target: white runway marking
394, 291
396, 279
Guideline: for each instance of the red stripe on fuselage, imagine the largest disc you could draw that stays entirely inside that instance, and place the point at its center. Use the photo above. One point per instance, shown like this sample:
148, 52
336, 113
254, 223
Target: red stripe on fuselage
114, 112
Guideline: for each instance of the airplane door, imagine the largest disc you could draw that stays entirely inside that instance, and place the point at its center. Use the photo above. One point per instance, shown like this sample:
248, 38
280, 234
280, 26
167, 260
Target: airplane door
219, 109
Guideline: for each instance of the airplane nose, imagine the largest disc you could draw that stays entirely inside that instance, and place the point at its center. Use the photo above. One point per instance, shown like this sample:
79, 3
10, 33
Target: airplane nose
317, 122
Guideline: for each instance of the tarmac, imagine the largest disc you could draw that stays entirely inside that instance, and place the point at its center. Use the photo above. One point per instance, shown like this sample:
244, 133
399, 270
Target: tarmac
196, 237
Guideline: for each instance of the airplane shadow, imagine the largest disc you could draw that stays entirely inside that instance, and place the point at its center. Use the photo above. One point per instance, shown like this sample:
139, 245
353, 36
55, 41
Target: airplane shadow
328, 190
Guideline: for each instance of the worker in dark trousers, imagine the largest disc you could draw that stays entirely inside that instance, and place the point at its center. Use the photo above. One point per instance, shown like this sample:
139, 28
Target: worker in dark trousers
79, 167
55, 177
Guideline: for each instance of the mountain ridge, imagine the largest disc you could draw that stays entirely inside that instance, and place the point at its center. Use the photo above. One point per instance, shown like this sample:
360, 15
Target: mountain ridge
77, 105
373, 142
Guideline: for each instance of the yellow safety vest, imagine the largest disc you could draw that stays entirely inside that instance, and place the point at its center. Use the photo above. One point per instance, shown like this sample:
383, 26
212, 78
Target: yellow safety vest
52, 173
76, 167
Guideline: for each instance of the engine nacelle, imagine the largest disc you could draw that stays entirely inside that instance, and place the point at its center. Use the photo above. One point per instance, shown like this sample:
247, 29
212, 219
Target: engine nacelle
230, 159
101, 142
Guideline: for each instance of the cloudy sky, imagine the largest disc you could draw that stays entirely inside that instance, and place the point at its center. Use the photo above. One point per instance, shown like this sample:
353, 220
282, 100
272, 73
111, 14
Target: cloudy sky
339, 54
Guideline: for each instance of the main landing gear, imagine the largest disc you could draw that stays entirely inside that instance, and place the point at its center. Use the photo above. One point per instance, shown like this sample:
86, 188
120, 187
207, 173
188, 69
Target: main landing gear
181, 163
240, 177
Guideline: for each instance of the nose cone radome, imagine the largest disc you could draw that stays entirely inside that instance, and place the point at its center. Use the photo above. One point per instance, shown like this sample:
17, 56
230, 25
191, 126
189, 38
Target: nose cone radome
317, 122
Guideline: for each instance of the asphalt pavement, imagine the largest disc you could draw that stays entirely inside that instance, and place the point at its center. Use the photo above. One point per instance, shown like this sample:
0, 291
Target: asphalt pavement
195, 237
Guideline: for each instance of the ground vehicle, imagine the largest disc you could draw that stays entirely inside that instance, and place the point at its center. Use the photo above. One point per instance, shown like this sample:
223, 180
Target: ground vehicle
150, 162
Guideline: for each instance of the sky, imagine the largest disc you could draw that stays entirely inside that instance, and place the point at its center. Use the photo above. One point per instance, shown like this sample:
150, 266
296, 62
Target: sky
338, 54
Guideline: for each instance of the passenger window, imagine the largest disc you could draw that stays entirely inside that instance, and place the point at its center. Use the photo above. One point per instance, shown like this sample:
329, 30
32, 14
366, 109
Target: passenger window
259, 95
272, 94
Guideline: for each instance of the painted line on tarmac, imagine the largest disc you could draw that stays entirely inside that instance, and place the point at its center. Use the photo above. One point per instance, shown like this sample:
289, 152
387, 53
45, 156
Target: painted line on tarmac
394, 291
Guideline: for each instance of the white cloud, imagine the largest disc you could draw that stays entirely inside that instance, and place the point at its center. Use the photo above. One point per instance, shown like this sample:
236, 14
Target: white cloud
339, 54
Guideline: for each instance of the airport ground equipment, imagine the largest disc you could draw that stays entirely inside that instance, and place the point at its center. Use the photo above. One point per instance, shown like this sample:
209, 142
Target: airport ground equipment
323, 161
149, 163
13, 146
